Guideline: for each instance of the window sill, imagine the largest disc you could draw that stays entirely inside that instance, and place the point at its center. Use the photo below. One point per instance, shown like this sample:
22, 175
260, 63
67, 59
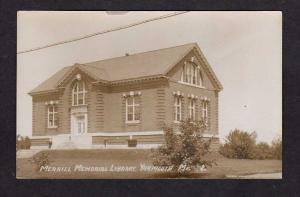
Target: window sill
176, 122
133, 122
82, 105
188, 84
55, 127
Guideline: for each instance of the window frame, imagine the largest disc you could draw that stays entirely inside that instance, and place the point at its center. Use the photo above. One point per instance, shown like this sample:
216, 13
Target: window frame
177, 108
78, 92
134, 105
192, 109
53, 114
205, 111
192, 75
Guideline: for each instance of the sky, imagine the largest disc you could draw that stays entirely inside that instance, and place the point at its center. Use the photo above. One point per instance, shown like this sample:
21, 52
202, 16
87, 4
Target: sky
243, 48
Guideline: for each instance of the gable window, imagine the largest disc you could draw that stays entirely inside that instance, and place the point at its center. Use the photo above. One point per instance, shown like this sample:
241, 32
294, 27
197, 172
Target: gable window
78, 93
52, 116
205, 111
132, 109
192, 109
192, 74
177, 108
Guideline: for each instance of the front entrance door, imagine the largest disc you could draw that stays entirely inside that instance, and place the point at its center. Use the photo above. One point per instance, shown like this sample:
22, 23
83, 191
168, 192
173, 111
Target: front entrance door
80, 125
79, 120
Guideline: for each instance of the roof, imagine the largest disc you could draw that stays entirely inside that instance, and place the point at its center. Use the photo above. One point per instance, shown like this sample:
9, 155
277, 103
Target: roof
50, 83
141, 64
150, 63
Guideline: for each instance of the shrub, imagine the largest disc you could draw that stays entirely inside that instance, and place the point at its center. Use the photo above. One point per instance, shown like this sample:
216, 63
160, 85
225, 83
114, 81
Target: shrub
184, 150
239, 144
41, 159
263, 151
242, 145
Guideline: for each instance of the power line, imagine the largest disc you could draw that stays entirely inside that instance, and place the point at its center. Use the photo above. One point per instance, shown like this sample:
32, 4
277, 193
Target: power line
102, 32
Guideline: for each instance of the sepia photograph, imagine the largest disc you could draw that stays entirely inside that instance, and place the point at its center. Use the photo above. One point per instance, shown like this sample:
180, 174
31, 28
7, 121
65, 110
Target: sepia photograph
149, 95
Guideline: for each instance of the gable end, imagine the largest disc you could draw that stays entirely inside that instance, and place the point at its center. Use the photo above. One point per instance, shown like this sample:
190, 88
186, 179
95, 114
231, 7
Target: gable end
203, 63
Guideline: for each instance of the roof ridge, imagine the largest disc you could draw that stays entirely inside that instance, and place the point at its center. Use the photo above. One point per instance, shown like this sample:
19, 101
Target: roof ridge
191, 43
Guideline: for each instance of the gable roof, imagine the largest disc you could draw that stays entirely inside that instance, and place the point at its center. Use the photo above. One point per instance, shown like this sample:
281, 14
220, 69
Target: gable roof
139, 65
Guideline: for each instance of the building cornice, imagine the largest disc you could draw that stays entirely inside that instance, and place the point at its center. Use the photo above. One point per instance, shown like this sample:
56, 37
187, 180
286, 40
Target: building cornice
111, 84
137, 80
44, 92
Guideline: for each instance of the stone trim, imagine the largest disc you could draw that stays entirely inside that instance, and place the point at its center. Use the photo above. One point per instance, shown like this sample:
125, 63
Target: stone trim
132, 93
107, 134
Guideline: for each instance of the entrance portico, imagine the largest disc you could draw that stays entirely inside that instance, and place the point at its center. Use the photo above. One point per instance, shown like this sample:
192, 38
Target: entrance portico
79, 120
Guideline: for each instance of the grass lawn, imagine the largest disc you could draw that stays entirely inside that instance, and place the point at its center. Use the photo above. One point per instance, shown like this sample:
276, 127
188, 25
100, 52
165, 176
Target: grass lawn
105, 160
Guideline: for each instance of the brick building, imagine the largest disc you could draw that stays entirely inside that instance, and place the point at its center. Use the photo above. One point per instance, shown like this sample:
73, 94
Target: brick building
125, 101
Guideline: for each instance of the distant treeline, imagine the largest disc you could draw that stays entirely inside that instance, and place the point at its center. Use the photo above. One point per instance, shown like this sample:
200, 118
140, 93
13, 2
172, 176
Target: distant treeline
242, 145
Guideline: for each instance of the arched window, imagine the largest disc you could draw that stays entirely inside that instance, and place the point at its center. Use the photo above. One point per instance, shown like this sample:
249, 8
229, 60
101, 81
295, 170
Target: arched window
200, 78
192, 74
78, 93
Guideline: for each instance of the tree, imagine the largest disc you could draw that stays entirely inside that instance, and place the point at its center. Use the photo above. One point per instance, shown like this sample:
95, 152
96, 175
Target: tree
19, 140
27, 142
185, 149
276, 147
239, 144
22, 142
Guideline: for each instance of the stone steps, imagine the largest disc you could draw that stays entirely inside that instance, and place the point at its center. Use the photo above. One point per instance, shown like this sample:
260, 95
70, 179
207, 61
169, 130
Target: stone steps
71, 142
66, 145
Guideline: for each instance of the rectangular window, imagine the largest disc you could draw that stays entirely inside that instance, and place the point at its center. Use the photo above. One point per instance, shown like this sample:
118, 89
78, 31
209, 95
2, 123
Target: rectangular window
192, 108
132, 109
205, 111
137, 112
177, 109
52, 116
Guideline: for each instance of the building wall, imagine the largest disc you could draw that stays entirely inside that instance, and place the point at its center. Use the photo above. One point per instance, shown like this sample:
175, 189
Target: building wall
64, 98
208, 91
106, 106
40, 113
151, 106
96, 108
186, 89
175, 72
